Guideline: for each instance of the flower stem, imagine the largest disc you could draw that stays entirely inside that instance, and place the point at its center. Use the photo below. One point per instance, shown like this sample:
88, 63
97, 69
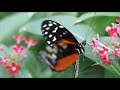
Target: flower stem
115, 70
25, 53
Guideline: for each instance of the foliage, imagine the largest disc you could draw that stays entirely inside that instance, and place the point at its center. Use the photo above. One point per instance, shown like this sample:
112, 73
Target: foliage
81, 24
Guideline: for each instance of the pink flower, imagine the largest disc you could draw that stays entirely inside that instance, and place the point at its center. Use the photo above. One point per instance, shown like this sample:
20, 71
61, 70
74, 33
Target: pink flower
19, 38
13, 69
96, 43
24, 56
104, 52
106, 60
118, 28
113, 32
4, 61
18, 49
104, 56
117, 52
1, 48
30, 42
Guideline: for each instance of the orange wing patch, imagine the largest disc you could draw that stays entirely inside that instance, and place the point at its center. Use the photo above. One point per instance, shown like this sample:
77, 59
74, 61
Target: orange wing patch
63, 41
66, 62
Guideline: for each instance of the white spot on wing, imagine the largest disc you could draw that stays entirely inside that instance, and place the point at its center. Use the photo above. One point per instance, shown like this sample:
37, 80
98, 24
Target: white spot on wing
53, 56
43, 30
55, 23
45, 25
46, 32
54, 39
54, 31
50, 35
50, 21
51, 45
50, 25
64, 33
47, 28
48, 42
61, 27
60, 35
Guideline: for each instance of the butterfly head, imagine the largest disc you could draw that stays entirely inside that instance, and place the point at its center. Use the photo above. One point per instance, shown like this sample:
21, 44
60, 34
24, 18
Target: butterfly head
81, 47
84, 43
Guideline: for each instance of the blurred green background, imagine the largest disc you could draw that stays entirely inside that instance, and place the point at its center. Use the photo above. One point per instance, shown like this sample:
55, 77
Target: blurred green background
29, 25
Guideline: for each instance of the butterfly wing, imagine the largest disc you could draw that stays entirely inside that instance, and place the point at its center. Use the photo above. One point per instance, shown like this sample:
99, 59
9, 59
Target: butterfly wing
59, 58
63, 50
54, 32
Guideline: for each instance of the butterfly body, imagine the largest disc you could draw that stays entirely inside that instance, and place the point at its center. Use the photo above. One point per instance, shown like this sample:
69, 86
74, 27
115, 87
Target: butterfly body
63, 49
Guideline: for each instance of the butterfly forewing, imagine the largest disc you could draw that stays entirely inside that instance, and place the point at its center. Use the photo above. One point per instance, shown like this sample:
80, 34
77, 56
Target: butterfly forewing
54, 32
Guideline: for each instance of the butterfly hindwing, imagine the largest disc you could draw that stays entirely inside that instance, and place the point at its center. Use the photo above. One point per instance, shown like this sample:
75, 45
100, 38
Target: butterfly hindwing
59, 58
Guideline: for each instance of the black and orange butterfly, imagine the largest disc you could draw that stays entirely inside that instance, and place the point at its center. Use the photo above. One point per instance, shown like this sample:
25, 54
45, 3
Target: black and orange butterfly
63, 49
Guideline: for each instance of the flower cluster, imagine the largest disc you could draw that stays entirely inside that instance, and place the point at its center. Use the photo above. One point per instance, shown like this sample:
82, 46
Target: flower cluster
13, 61
111, 49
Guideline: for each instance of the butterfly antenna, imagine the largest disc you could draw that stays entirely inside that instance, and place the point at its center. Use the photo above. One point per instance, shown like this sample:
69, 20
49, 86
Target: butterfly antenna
90, 27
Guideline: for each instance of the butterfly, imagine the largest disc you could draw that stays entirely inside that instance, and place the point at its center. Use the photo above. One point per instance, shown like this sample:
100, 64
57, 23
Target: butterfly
63, 49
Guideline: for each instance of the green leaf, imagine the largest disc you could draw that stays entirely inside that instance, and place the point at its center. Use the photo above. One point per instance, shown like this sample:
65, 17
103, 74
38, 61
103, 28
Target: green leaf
35, 26
63, 13
91, 15
39, 15
32, 65
92, 72
109, 74
11, 24
98, 26
5, 14
4, 73
24, 73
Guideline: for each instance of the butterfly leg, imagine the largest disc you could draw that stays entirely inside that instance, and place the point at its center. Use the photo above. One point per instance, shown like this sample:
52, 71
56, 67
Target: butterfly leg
76, 69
